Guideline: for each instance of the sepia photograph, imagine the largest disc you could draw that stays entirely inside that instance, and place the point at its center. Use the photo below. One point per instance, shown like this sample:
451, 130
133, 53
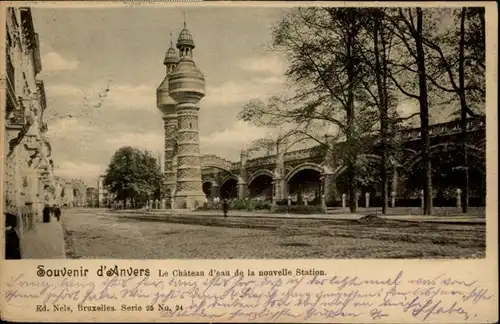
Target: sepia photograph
251, 132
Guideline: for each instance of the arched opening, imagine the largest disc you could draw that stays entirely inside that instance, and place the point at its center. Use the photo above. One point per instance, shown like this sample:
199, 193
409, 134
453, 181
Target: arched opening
448, 175
368, 180
261, 187
305, 185
207, 189
229, 188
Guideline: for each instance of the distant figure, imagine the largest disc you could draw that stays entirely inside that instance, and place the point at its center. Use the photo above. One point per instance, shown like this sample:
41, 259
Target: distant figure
12, 245
225, 206
46, 214
57, 213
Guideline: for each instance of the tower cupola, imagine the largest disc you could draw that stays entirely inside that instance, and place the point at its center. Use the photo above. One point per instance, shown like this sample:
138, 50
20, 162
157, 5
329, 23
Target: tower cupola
185, 42
171, 57
164, 102
186, 83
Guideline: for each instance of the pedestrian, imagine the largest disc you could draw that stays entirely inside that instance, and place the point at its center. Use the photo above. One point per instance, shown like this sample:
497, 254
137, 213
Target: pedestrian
46, 214
225, 206
12, 244
57, 213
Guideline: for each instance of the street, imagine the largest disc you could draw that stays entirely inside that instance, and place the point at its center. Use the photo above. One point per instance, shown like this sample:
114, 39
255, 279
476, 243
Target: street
99, 233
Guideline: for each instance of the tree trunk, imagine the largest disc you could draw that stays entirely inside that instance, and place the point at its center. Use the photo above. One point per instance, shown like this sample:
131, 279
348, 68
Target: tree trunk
424, 114
463, 113
351, 164
383, 112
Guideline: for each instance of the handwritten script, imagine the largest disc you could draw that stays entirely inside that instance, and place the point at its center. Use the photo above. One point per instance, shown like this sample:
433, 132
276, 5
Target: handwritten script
294, 298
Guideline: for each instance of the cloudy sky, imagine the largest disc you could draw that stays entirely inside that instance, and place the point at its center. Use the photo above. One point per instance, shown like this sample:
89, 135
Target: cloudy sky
86, 51
101, 68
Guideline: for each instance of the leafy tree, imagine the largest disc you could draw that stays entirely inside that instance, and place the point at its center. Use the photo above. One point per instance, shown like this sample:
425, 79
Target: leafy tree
133, 174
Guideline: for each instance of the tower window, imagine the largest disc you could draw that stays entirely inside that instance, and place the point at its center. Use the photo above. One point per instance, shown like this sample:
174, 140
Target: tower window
190, 125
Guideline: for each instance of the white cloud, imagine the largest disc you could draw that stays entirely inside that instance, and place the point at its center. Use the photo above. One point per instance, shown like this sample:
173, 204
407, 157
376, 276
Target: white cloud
55, 62
62, 90
119, 96
235, 92
64, 126
407, 107
232, 139
266, 79
267, 64
149, 141
123, 96
81, 170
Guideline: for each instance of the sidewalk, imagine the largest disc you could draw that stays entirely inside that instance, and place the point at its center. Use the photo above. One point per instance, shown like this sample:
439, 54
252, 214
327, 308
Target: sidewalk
328, 216
45, 241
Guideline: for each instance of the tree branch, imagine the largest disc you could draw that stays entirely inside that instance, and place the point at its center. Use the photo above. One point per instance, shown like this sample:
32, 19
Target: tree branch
406, 93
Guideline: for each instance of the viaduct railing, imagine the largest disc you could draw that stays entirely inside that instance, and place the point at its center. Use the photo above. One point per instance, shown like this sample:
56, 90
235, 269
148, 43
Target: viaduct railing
407, 135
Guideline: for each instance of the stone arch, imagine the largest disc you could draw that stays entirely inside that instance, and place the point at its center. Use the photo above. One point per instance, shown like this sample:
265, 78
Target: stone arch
447, 172
214, 161
207, 178
258, 173
229, 186
207, 185
340, 175
478, 152
260, 184
304, 183
301, 167
227, 178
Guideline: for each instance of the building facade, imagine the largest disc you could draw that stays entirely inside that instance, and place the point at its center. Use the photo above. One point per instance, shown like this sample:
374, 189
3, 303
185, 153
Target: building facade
303, 176
29, 180
319, 177
92, 197
177, 98
103, 196
70, 192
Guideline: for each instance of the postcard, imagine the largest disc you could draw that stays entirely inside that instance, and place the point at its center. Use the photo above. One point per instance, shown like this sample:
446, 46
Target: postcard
252, 161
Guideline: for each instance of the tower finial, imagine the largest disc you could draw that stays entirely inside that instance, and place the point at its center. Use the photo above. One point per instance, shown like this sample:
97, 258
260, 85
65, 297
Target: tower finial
171, 40
184, 19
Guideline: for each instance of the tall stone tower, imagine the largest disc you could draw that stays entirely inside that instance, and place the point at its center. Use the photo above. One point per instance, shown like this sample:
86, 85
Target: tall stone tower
166, 105
187, 88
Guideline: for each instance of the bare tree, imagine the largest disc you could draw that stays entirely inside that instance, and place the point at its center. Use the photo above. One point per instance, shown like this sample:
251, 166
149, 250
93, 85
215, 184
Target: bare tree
377, 55
408, 26
321, 45
462, 76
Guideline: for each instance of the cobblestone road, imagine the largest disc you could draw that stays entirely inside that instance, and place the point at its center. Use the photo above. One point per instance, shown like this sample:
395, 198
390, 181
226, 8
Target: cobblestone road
97, 234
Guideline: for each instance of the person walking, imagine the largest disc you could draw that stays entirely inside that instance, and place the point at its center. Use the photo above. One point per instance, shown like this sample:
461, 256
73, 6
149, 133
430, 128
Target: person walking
46, 214
57, 213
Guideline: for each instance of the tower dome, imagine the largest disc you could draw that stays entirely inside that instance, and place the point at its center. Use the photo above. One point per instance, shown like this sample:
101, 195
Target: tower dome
186, 83
171, 56
163, 100
185, 38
